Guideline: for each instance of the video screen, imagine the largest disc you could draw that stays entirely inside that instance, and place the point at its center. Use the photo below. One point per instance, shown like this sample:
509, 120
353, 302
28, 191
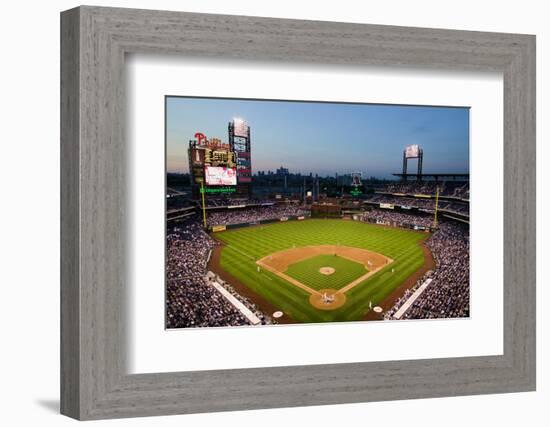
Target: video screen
216, 175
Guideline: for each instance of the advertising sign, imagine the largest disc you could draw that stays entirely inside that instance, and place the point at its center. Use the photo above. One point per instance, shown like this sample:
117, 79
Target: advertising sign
220, 175
197, 156
217, 190
219, 158
356, 179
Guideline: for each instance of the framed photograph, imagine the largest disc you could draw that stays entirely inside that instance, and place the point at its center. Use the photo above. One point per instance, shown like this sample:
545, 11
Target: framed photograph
261, 213
319, 230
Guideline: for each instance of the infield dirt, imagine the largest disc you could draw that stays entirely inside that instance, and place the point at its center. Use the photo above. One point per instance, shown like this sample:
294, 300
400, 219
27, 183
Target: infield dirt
278, 262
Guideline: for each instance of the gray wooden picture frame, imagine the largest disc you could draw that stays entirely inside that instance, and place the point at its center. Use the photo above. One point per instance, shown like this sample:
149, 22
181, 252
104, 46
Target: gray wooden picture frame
94, 41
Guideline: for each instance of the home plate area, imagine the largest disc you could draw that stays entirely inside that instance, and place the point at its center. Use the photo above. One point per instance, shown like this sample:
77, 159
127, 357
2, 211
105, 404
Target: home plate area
326, 272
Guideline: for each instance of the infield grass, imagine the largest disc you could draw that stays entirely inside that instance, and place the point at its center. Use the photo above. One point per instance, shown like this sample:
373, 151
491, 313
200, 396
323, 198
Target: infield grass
307, 272
244, 246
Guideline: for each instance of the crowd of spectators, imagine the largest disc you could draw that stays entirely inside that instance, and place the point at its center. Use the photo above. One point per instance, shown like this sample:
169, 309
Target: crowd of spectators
232, 201
461, 208
421, 203
254, 214
427, 204
265, 320
397, 219
446, 188
462, 191
176, 201
413, 187
448, 294
190, 300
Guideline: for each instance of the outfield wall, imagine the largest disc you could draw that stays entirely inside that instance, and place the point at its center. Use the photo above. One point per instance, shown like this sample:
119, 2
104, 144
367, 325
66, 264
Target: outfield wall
224, 227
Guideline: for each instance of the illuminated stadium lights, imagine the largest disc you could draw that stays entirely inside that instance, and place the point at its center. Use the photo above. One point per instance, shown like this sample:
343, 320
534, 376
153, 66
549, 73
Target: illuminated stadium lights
413, 152
240, 127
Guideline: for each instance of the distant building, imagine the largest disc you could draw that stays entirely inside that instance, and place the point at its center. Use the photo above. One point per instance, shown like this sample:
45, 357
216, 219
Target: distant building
282, 171
344, 179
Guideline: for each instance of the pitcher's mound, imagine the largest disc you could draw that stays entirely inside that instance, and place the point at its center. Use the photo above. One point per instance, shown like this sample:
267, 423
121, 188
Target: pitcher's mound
327, 271
327, 299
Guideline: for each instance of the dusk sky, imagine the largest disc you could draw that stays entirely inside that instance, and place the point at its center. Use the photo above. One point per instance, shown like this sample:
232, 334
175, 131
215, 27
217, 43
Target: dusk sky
325, 138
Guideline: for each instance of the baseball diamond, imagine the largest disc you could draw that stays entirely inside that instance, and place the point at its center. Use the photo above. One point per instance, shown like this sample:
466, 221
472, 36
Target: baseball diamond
280, 263
343, 271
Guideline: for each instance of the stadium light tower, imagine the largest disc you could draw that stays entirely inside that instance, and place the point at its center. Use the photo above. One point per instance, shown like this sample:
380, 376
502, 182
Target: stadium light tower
239, 143
413, 152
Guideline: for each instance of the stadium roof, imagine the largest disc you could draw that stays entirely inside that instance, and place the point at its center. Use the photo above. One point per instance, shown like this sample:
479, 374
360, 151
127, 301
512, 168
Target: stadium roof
435, 176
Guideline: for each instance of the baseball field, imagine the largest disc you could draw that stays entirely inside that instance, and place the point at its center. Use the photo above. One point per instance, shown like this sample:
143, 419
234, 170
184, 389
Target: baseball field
321, 270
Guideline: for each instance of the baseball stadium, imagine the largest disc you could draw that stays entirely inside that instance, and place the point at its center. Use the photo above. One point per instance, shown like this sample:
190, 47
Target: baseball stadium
245, 247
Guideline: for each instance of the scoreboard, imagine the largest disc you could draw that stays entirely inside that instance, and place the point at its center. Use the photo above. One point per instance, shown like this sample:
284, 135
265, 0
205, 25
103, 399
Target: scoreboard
219, 167
206, 156
212, 166
239, 141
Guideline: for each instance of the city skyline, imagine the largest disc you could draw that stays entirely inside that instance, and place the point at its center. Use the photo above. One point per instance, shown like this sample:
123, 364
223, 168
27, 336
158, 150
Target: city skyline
325, 138
277, 172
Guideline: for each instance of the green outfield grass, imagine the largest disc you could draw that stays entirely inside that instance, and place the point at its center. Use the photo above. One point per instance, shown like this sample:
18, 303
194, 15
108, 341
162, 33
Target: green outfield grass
307, 272
246, 245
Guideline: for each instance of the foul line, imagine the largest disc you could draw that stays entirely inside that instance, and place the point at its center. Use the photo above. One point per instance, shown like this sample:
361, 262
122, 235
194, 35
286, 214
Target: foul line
241, 252
363, 277
288, 278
